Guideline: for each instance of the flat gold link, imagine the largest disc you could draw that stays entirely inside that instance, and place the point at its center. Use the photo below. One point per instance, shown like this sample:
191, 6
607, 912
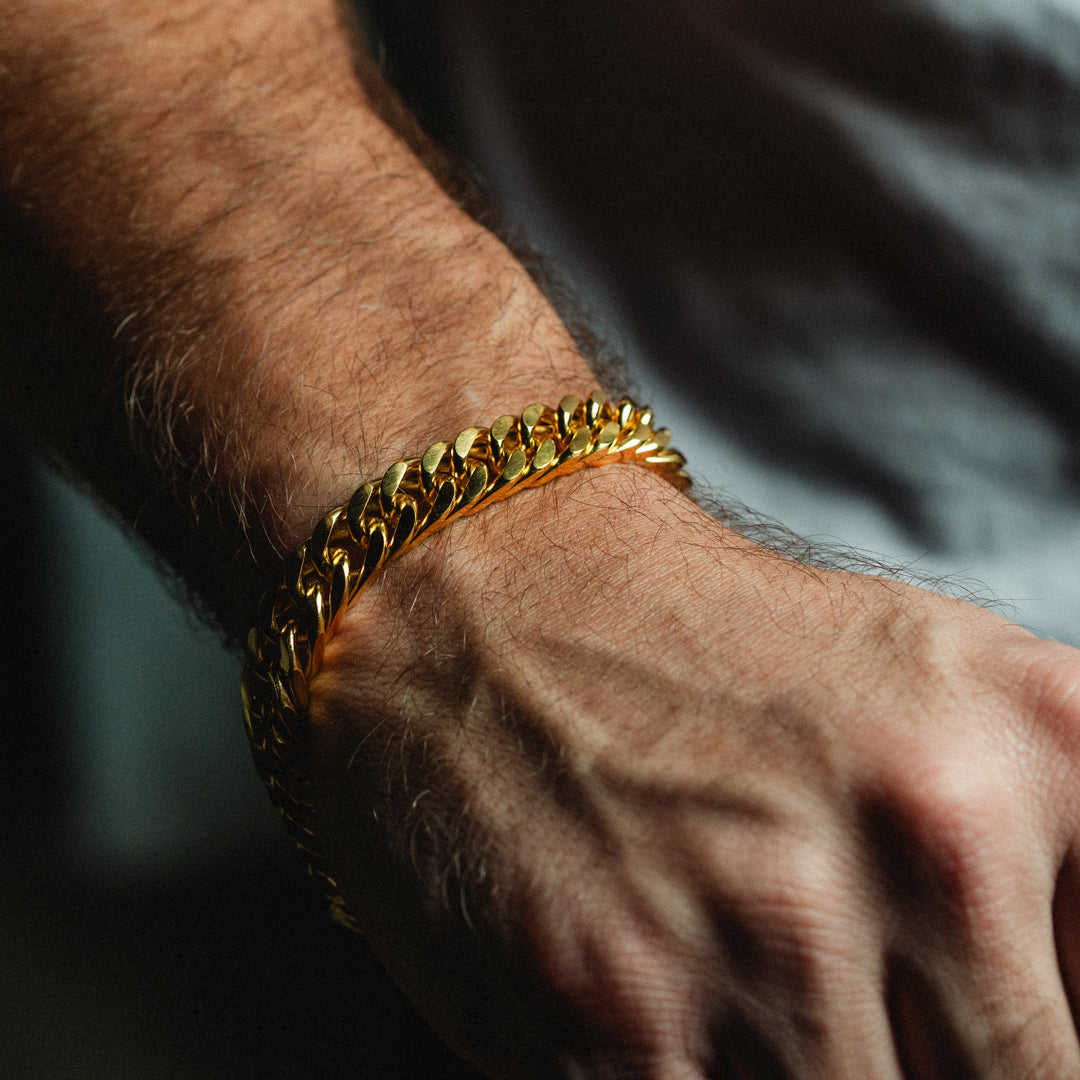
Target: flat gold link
302, 648
287, 650
406, 525
670, 466
290, 797
609, 433
255, 734
301, 691
463, 444
641, 437
294, 572
316, 546
282, 690
357, 507
544, 456
500, 430
284, 607
529, 419
578, 444
515, 466
661, 438
339, 588
443, 501
311, 854
329, 887
475, 487
264, 617
593, 406
664, 459
430, 462
278, 753
279, 732
337, 909
300, 833
567, 407
376, 550
316, 607
391, 481
412, 487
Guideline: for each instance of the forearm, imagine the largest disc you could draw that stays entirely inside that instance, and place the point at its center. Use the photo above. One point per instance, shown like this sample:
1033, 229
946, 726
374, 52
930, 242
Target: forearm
295, 301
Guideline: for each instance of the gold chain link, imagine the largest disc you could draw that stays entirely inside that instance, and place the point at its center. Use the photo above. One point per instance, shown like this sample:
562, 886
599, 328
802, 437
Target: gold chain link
384, 518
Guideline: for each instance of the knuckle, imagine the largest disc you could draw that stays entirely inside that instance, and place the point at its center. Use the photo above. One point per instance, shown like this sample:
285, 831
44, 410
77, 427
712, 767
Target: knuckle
797, 887
1051, 680
785, 923
936, 826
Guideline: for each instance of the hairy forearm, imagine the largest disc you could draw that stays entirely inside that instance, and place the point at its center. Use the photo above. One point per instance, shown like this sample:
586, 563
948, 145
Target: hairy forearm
293, 300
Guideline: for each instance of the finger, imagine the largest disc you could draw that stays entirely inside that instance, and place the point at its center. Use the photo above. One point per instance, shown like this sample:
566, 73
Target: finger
926, 1043
967, 863
992, 1028
988, 1000
849, 1039
1067, 931
802, 970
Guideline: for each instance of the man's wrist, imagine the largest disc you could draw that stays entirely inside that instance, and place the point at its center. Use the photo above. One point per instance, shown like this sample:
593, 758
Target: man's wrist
524, 552
414, 499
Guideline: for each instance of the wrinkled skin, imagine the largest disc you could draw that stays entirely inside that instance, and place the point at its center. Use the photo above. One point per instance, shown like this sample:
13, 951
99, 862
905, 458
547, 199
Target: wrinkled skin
764, 821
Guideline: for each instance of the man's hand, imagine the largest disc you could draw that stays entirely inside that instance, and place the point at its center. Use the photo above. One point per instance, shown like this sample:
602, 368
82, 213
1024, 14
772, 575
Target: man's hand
616, 794
613, 791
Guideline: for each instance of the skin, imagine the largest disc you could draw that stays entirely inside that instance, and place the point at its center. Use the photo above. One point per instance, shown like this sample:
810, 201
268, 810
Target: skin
612, 790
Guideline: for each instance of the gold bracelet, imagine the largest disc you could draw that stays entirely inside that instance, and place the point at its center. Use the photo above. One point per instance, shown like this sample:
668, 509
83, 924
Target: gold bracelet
384, 518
